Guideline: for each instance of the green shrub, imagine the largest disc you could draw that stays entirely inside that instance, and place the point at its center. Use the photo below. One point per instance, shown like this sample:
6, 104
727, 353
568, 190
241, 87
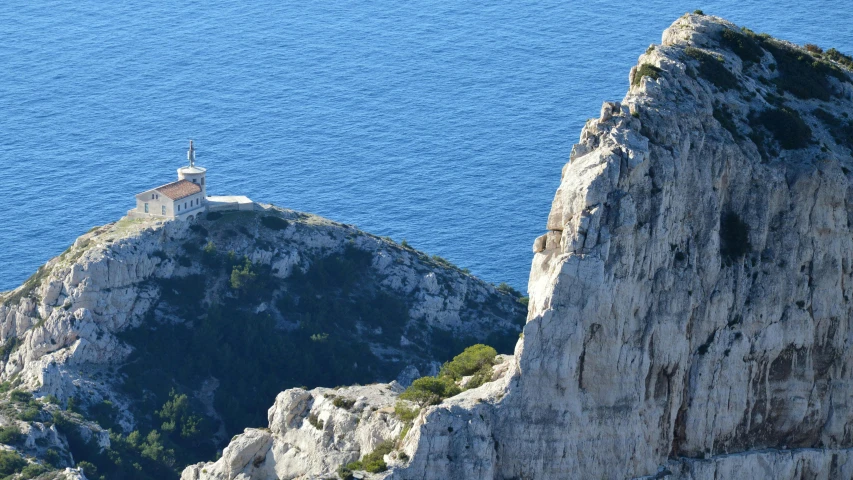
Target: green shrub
373, 462
319, 337
274, 223
315, 421
504, 287
743, 45
839, 57
726, 121
33, 470
801, 74
105, 413
405, 413
243, 277
179, 421
27, 288
21, 396
443, 261
11, 462
734, 237
430, 390
342, 402
10, 435
89, 469
72, 405
345, 473
841, 131
52, 458
29, 414
787, 127
698, 12
711, 68
5, 350
473, 359
209, 255
480, 377
645, 70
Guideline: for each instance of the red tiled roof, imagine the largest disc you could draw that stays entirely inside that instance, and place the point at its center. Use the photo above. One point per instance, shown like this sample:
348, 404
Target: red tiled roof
180, 189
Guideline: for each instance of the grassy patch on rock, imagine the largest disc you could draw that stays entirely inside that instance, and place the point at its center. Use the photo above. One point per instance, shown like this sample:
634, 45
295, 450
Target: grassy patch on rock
645, 70
476, 361
724, 116
840, 129
711, 68
373, 462
742, 45
801, 73
786, 126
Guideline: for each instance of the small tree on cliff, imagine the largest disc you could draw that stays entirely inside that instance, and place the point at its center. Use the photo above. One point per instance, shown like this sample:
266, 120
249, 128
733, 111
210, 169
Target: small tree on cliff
243, 278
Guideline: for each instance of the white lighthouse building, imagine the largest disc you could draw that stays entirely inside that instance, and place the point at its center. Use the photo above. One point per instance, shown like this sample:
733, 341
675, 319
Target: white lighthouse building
186, 198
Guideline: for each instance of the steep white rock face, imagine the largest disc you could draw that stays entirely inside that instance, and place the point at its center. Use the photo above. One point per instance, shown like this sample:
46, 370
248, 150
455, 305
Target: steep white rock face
690, 311
645, 341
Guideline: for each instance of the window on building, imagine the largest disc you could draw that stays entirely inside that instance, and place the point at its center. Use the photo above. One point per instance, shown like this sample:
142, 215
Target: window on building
194, 181
146, 207
163, 208
152, 196
202, 180
179, 208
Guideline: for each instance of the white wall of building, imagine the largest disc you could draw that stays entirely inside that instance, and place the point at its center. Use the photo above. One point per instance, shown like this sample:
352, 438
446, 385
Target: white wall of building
160, 205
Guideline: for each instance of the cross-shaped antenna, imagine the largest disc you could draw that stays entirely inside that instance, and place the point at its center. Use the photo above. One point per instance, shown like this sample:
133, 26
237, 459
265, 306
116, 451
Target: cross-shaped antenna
191, 154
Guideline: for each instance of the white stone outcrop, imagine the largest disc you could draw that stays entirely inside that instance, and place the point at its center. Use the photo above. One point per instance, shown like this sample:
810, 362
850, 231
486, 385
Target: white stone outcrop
690, 305
310, 434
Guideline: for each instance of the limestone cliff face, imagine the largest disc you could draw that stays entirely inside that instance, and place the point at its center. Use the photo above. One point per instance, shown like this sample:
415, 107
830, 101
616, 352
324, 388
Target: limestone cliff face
690, 312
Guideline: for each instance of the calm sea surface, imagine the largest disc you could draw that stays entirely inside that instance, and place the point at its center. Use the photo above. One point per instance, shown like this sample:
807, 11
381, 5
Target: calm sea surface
444, 123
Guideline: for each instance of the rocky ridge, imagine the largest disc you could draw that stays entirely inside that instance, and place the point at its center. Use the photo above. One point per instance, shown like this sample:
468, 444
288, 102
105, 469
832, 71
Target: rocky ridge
65, 331
690, 312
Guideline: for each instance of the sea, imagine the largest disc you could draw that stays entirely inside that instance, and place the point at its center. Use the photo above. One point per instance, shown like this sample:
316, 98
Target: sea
441, 122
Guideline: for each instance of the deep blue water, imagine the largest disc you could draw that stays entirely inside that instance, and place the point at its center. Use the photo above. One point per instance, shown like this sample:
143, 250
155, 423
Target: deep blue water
442, 122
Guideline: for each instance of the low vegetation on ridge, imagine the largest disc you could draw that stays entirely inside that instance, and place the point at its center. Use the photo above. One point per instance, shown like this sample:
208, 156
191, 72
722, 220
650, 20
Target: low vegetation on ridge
476, 361
645, 70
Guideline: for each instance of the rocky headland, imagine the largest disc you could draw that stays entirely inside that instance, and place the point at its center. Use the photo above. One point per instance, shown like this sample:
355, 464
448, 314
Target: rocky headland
690, 312
190, 329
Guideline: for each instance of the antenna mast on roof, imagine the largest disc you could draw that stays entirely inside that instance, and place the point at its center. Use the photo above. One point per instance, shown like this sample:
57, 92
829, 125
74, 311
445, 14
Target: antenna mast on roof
191, 154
